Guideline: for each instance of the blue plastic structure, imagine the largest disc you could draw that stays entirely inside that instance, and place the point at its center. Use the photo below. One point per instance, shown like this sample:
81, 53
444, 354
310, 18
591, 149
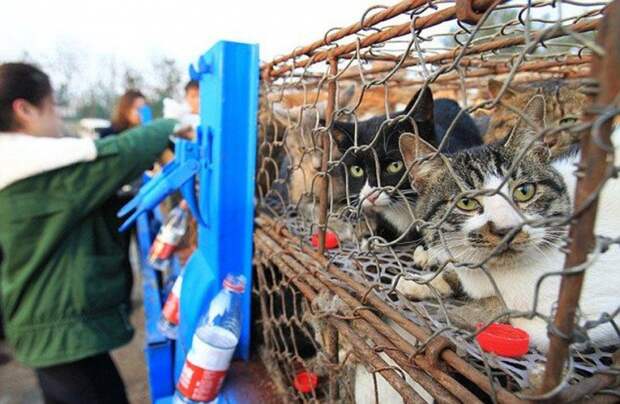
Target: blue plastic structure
158, 350
222, 160
179, 174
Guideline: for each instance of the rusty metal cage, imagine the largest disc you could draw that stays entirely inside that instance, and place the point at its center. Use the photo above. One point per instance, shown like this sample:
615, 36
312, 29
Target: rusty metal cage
369, 314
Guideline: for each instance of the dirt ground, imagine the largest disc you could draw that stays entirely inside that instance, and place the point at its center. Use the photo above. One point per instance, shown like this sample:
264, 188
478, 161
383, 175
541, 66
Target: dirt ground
18, 384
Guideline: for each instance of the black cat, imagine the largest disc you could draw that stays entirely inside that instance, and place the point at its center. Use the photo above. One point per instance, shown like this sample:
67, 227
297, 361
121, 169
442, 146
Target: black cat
373, 165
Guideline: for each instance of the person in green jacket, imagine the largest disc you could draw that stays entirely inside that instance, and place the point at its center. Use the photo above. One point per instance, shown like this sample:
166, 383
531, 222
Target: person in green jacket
64, 284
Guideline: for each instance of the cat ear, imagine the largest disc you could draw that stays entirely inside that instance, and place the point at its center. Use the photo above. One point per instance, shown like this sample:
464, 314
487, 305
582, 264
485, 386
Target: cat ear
495, 86
523, 135
342, 134
413, 148
424, 109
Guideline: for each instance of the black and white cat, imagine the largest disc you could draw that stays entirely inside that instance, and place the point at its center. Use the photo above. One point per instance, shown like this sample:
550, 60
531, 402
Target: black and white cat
373, 165
515, 231
541, 187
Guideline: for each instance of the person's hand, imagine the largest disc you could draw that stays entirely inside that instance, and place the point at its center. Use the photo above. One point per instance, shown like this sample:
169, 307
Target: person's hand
166, 157
184, 132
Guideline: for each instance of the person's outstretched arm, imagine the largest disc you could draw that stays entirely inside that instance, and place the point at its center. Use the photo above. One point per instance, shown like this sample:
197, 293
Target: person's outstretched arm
120, 159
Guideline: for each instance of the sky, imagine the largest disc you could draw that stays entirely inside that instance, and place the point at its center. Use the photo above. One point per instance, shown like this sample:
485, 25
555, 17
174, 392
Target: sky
95, 35
137, 31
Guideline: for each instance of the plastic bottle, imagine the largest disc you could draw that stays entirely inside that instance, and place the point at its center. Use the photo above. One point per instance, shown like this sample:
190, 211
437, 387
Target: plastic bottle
169, 320
213, 346
169, 237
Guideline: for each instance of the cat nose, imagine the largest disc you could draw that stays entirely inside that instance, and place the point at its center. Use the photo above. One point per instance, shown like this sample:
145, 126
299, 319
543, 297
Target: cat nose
372, 197
499, 231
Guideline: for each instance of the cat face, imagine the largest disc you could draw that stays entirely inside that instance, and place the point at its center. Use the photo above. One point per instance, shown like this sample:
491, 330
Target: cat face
375, 163
372, 163
492, 201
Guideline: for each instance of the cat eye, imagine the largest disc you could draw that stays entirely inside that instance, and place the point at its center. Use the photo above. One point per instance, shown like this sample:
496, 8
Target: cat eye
468, 204
568, 120
356, 171
394, 167
524, 192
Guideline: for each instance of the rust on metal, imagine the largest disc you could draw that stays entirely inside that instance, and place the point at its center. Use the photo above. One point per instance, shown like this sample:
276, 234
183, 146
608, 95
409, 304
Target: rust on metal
593, 385
423, 22
494, 45
432, 386
374, 19
448, 356
597, 165
347, 301
326, 148
465, 12
362, 350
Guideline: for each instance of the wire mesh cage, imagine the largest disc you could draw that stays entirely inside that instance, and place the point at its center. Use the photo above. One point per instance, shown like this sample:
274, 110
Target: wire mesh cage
428, 174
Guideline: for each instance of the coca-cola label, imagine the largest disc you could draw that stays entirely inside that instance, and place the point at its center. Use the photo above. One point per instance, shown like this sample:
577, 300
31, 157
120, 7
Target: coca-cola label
171, 308
199, 384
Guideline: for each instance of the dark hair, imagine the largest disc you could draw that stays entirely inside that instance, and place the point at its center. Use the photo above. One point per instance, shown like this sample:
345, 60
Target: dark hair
20, 81
192, 84
124, 104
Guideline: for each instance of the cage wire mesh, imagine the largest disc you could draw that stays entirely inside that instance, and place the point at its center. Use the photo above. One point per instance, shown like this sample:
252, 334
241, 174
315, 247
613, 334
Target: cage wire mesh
357, 138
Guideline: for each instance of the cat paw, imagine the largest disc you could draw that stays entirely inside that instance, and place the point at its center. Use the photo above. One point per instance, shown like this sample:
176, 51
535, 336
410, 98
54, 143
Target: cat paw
422, 258
365, 245
413, 290
422, 290
368, 245
536, 328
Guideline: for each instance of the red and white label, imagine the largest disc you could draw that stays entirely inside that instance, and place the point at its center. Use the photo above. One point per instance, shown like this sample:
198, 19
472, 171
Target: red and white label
164, 245
206, 365
161, 250
171, 308
200, 384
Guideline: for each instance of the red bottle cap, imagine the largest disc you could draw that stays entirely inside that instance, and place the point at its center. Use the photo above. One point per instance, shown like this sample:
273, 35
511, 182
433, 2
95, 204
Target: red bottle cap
331, 240
305, 382
234, 283
503, 340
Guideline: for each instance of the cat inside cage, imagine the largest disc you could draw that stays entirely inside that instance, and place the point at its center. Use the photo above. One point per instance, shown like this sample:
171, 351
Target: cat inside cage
481, 205
450, 200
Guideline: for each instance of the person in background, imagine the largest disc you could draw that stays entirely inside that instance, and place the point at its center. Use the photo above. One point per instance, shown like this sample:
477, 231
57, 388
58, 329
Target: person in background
192, 96
187, 112
64, 289
126, 113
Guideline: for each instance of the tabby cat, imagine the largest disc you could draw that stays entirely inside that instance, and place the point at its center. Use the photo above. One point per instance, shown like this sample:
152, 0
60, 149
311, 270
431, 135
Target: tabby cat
563, 105
300, 162
519, 226
374, 168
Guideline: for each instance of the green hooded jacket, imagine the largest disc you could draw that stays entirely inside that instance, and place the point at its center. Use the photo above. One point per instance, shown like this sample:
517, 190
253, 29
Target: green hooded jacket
64, 277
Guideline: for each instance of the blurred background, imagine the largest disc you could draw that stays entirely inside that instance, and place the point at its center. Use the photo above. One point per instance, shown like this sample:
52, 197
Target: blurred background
96, 50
